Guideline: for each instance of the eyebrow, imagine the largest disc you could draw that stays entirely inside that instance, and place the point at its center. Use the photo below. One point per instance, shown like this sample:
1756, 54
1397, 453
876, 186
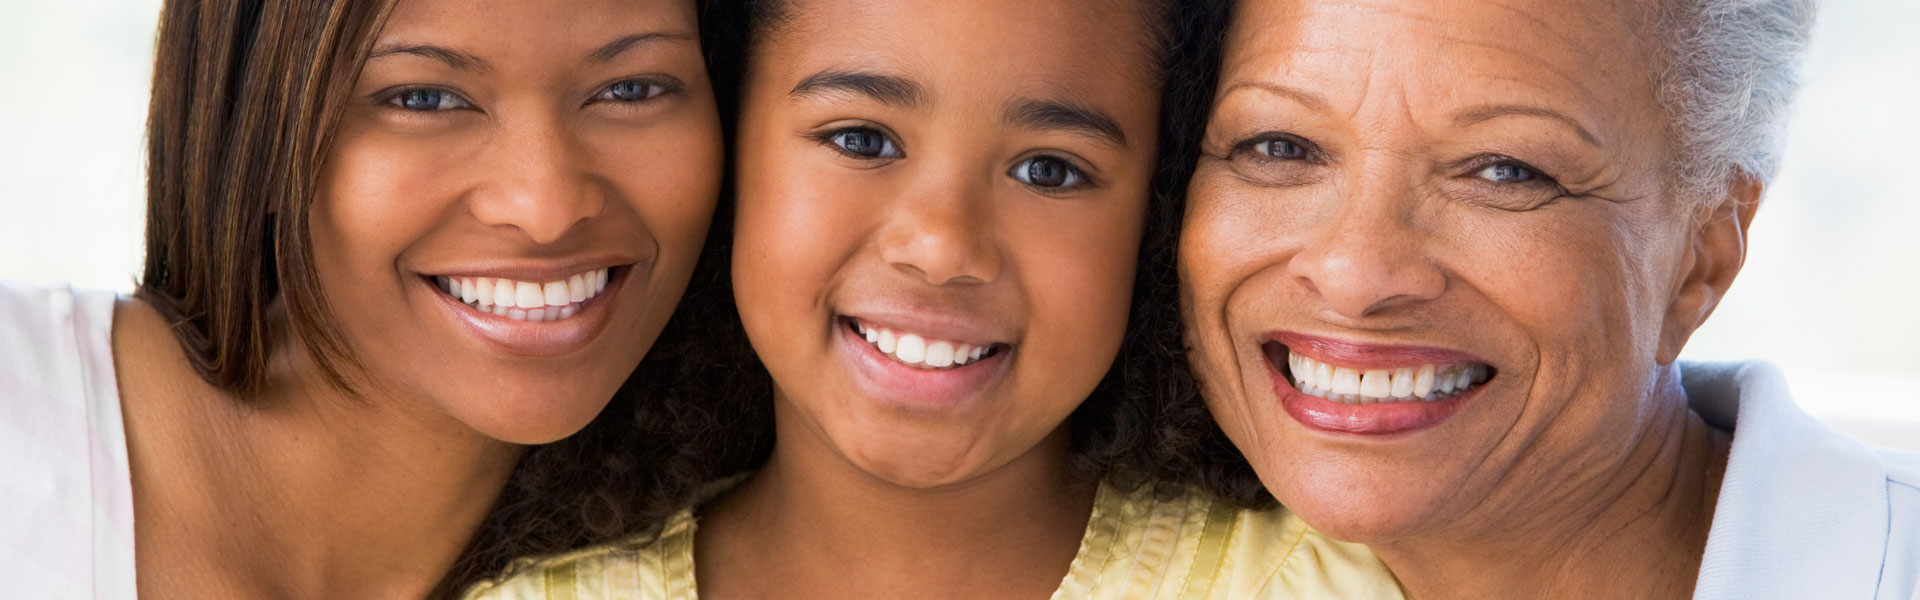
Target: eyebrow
1051, 115
613, 49
467, 62
1305, 98
458, 60
886, 89
1481, 114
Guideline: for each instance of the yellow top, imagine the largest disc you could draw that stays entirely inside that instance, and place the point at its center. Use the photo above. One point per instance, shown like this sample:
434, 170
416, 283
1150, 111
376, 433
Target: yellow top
1135, 547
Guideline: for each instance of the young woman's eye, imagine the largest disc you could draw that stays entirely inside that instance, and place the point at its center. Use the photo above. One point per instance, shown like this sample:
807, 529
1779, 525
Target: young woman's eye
427, 100
1509, 172
863, 142
1048, 172
631, 90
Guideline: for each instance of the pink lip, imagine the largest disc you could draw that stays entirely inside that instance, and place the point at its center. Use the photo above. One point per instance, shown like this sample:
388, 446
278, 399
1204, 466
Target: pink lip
540, 271
1379, 419
540, 338
890, 382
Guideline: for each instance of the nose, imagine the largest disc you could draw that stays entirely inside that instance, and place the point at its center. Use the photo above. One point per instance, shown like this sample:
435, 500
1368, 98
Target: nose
1371, 258
536, 182
939, 231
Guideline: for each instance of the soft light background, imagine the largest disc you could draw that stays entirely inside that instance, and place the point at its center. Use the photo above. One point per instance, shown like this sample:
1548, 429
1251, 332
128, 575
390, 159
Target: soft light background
1829, 292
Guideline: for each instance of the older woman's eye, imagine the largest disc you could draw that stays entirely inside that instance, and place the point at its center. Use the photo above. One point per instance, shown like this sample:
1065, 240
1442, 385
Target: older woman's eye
426, 100
1048, 172
632, 90
1276, 147
863, 142
1507, 172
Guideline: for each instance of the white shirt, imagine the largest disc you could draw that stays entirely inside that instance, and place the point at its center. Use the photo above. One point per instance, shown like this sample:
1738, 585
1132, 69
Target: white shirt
1804, 511
66, 500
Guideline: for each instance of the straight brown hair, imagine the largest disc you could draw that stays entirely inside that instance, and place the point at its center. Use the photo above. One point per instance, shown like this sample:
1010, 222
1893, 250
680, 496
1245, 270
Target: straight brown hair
246, 94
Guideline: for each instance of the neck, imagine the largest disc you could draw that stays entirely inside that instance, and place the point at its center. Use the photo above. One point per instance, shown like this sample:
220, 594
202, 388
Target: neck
1637, 530
812, 524
302, 491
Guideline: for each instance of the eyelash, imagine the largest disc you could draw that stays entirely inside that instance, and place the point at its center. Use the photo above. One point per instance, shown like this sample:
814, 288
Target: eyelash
1251, 146
833, 139
397, 98
1484, 168
1072, 178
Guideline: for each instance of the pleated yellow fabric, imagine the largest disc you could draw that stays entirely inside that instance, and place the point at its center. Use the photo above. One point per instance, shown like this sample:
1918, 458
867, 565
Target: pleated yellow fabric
1136, 547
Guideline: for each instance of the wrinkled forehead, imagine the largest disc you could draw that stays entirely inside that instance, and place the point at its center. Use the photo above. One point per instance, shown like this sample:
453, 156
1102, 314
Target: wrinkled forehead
1087, 49
1587, 57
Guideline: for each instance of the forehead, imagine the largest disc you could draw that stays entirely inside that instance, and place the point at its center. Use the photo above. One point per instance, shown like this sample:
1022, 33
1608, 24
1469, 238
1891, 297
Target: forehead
1091, 50
514, 29
1586, 56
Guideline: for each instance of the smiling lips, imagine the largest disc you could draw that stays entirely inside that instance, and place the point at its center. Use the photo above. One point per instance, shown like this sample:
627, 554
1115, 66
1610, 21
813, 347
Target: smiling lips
526, 300
922, 351
1341, 387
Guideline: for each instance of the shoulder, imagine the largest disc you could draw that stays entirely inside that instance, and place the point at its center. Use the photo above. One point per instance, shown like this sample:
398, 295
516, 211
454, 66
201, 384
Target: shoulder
61, 420
651, 567
1175, 542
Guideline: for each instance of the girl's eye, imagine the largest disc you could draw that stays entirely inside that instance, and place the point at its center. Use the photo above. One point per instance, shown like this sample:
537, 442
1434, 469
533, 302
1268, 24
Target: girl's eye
864, 142
426, 100
1507, 172
1048, 172
632, 90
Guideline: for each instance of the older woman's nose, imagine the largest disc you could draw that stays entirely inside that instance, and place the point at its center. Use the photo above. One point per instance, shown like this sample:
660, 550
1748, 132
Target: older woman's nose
536, 182
936, 232
1369, 259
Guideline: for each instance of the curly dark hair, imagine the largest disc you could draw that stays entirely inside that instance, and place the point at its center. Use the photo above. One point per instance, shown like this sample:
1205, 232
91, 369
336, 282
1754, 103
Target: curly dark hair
699, 407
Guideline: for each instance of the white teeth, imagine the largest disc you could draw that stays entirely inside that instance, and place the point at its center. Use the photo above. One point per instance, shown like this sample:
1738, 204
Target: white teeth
1376, 383
911, 349
1423, 381
939, 354
921, 351
576, 289
560, 299
1345, 381
1370, 386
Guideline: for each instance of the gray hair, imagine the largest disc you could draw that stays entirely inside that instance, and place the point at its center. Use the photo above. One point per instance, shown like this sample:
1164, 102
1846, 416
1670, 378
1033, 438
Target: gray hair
1731, 68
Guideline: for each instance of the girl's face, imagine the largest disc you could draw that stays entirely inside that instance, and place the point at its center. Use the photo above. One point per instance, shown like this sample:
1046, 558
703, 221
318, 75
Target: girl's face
940, 204
514, 202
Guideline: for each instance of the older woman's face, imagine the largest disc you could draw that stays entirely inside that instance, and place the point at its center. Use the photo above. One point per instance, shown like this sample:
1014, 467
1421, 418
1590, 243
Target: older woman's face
1430, 260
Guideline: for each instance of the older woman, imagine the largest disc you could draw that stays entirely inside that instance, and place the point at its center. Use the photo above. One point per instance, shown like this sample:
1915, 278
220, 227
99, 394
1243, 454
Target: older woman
1440, 259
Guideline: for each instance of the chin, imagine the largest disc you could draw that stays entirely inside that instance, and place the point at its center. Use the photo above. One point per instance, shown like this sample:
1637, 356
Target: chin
1357, 510
530, 418
912, 458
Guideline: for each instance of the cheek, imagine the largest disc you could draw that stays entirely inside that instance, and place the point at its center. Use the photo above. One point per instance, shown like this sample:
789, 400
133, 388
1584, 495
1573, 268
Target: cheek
670, 177
794, 229
374, 198
1077, 270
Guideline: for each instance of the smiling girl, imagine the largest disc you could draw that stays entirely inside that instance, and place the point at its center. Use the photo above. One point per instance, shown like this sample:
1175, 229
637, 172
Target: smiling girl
388, 243
939, 259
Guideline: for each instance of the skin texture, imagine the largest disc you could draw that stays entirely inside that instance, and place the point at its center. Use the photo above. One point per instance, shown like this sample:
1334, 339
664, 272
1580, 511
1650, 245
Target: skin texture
1578, 470
880, 492
526, 164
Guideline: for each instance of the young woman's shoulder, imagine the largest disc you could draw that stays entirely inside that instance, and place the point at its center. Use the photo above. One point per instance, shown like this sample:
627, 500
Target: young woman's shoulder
68, 489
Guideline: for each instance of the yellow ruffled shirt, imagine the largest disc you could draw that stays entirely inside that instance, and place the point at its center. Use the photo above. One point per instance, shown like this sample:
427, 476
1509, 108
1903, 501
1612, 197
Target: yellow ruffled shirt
1136, 547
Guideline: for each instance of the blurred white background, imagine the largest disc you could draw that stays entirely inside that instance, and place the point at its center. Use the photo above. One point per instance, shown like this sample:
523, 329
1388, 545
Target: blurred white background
1829, 292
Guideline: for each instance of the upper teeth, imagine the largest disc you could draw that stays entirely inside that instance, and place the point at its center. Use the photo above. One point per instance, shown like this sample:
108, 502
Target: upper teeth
1367, 386
919, 350
526, 300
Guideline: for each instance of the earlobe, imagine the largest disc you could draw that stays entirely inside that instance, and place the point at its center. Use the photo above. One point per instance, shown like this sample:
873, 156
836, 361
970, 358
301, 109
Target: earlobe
1714, 255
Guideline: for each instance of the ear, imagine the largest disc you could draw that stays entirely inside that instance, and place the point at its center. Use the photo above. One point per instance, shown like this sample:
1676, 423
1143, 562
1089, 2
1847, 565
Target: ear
1714, 255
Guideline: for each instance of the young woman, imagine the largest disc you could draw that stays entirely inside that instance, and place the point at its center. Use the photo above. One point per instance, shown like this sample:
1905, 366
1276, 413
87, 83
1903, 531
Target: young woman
387, 244
938, 257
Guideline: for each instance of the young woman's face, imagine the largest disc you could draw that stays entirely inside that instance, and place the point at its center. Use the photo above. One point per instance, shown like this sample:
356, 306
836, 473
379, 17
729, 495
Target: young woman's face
940, 204
514, 203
